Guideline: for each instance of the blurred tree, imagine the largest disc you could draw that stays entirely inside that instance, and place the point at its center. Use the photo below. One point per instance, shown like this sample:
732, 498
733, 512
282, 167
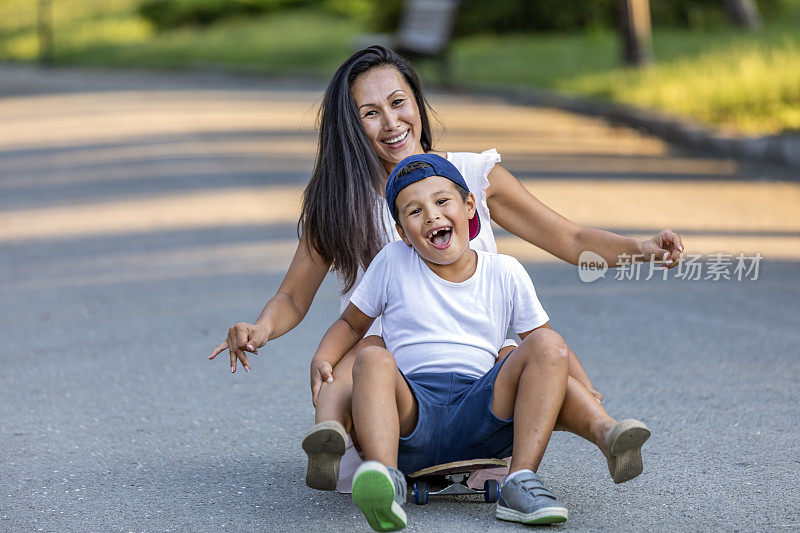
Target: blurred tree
744, 13
168, 14
474, 17
510, 16
635, 32
44, 22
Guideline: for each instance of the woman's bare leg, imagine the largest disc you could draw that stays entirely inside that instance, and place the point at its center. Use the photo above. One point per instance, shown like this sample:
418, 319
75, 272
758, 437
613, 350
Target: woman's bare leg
621, 443
584, 416
326, 442
335, 399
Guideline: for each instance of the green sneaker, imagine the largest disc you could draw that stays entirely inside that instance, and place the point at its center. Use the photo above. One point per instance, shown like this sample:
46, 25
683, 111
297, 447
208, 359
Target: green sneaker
380, 492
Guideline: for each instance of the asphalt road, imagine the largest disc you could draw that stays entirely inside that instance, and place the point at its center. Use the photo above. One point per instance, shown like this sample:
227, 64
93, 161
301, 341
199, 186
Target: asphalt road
141, 214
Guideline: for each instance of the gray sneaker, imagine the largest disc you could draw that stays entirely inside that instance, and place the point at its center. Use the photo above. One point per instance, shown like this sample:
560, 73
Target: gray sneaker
380, 492
525, 499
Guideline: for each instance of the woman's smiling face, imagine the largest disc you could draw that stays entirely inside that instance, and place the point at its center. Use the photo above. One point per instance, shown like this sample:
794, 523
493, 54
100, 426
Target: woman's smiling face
389, 114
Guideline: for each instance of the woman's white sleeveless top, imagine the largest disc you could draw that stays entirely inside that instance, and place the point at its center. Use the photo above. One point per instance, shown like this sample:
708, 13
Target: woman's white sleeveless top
475, 168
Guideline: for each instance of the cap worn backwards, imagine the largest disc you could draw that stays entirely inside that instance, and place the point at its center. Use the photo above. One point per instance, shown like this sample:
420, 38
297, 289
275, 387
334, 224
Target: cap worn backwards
439, 166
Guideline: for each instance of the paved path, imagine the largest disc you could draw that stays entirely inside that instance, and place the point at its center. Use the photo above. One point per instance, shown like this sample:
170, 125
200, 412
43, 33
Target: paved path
141, 214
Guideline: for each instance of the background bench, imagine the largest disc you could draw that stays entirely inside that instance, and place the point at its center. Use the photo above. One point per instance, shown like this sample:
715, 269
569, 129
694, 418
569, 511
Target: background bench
424, 30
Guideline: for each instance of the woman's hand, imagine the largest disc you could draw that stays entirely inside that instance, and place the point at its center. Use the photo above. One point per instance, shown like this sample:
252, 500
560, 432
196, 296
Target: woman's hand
666, 246
243, 337
320, 371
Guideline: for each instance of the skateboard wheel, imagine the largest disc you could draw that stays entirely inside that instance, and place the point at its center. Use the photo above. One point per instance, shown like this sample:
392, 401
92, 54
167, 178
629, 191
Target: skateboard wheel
492, 488
419, 491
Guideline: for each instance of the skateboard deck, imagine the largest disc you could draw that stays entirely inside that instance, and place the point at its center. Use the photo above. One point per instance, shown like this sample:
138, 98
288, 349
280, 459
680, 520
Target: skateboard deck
450, 479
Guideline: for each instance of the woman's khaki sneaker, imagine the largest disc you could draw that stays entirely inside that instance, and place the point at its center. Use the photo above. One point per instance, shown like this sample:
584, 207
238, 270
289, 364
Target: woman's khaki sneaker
624, 445
324, 444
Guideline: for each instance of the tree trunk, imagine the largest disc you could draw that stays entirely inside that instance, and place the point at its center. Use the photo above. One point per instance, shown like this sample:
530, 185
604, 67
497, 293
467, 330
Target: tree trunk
45, 30
744, 13
635, 32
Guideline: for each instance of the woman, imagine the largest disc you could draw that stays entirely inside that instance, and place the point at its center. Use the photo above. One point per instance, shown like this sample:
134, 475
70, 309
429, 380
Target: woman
373, 115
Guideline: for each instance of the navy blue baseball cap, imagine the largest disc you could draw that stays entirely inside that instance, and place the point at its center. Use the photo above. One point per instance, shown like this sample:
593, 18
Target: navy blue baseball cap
439, 166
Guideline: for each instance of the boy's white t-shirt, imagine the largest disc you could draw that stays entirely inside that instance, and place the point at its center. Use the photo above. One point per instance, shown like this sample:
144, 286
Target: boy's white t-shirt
475, 168
434, 325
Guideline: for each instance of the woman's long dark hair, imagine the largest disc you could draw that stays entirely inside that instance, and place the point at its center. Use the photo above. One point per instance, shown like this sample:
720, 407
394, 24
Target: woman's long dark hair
339, 216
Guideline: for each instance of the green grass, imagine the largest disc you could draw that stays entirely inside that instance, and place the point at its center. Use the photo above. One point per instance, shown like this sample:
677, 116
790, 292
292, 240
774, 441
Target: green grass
266, 46
729, 78
112, 34
725, 77
77, 24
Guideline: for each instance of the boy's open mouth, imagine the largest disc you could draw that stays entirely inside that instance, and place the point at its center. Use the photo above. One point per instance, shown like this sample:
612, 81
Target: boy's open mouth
440, 237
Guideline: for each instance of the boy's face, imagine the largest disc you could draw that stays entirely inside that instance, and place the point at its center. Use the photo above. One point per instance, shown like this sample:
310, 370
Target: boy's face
435, 220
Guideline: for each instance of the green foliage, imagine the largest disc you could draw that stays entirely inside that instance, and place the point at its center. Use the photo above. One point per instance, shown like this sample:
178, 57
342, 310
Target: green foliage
166, 14
278, 45
702, 14
477, 17
722, 75
376, 15
750, 85
359, 10
515, 16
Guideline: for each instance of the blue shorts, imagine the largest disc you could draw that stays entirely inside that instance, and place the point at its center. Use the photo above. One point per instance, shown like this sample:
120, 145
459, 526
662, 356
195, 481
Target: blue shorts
455, 421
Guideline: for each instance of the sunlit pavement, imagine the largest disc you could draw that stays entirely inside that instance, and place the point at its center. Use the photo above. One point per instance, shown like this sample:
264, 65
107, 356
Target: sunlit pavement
141, 214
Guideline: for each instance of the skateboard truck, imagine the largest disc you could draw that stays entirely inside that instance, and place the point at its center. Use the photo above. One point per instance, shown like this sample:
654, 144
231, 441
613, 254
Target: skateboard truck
454, 478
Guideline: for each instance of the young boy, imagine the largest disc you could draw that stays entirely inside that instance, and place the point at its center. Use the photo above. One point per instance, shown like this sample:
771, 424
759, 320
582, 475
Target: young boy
435, 393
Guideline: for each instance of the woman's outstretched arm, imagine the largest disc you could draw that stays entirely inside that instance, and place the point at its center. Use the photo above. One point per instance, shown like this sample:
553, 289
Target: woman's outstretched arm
283, 311
515, 209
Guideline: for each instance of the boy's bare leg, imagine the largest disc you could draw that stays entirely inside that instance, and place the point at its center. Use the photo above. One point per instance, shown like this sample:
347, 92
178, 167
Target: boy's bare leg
334, 400
581, 413
383, 405
531, 386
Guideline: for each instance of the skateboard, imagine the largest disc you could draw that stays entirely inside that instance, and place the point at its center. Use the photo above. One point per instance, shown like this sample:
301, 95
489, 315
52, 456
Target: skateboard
450, 479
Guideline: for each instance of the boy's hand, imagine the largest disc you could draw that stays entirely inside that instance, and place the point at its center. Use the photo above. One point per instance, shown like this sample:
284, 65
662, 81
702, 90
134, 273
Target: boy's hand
320, 371
597, 395
242, 337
